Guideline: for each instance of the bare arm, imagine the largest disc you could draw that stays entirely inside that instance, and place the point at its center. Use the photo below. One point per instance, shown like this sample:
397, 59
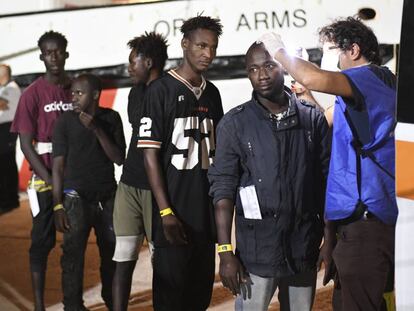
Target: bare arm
305, 94
173, 229
113, 152
156, 177
57, 177
34, 159
111, 149
314, 78
61, 219
305, 72
223, 211
231, 271
330, 232
329, 115
325, 256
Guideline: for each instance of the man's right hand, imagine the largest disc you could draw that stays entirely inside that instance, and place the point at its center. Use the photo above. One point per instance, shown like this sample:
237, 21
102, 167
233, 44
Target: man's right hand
174, 230
61, 221
325, 256
231, 272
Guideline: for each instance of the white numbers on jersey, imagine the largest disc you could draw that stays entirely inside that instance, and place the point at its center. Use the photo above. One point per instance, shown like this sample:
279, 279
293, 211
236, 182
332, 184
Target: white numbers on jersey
183, 141
145, 127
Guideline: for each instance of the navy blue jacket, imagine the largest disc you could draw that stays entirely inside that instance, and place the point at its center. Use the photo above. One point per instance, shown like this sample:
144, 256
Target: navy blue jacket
287, 162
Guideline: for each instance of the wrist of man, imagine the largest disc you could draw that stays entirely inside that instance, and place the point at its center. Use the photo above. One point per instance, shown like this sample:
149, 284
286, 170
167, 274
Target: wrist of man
58, 207
167, 211
226, 256
93, 127
329, 242
224, 248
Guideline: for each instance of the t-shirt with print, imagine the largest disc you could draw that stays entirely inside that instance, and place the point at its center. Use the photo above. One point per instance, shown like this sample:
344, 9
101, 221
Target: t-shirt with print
181, 122
87, 167
39, 107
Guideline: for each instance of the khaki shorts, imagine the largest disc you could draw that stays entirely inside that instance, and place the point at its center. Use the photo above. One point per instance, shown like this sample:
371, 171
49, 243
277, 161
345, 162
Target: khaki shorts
132, 221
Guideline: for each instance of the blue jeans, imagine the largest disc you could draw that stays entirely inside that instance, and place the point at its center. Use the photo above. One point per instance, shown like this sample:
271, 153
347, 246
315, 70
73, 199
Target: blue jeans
296, 293
83, 216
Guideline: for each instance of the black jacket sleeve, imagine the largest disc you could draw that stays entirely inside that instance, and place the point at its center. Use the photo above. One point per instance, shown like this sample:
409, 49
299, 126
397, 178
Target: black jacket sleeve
224, 173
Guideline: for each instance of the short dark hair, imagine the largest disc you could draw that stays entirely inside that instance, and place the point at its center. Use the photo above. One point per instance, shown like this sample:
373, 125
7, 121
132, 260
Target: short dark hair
201, 22
250, 50
151, 45
346, 31
55, 36
94, 82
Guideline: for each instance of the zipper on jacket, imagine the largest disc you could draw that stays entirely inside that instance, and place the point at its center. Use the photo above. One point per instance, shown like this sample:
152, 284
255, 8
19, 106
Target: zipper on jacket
254, 170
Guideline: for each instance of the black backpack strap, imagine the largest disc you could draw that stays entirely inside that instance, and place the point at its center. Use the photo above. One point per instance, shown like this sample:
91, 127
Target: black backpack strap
356, 144
361, 152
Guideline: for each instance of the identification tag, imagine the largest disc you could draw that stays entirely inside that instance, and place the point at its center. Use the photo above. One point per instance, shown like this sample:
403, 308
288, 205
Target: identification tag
34, 203
250, 202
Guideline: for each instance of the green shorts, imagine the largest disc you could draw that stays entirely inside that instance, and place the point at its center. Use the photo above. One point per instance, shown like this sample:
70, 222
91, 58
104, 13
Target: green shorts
132, 221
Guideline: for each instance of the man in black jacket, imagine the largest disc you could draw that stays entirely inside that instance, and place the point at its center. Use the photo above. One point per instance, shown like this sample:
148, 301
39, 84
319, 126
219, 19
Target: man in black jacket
271, 161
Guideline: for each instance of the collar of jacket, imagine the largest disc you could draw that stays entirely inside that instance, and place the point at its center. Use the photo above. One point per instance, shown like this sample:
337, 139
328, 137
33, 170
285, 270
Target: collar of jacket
290, 120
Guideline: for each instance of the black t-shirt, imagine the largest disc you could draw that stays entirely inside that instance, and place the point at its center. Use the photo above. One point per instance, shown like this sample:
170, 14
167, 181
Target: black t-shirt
87, 167
183, 128
133, 172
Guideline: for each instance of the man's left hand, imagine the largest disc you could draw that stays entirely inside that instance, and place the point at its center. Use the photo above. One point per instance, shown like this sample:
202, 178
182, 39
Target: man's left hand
232, 274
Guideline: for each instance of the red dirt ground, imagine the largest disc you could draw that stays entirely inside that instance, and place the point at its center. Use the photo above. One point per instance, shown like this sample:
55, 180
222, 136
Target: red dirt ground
15, 285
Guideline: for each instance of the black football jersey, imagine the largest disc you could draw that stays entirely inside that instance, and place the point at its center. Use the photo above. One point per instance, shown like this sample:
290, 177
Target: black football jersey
133, 171
181, 122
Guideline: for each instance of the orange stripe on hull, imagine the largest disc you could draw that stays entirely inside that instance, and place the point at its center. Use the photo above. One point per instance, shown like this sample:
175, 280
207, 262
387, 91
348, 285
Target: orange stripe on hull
405, 169
24, 175
107, 98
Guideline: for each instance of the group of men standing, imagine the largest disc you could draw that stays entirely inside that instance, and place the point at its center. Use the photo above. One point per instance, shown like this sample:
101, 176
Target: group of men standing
188, 170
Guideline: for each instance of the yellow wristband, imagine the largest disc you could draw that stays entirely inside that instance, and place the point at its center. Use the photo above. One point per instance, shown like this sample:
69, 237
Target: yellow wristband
58, 207
166, 211
224, 248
